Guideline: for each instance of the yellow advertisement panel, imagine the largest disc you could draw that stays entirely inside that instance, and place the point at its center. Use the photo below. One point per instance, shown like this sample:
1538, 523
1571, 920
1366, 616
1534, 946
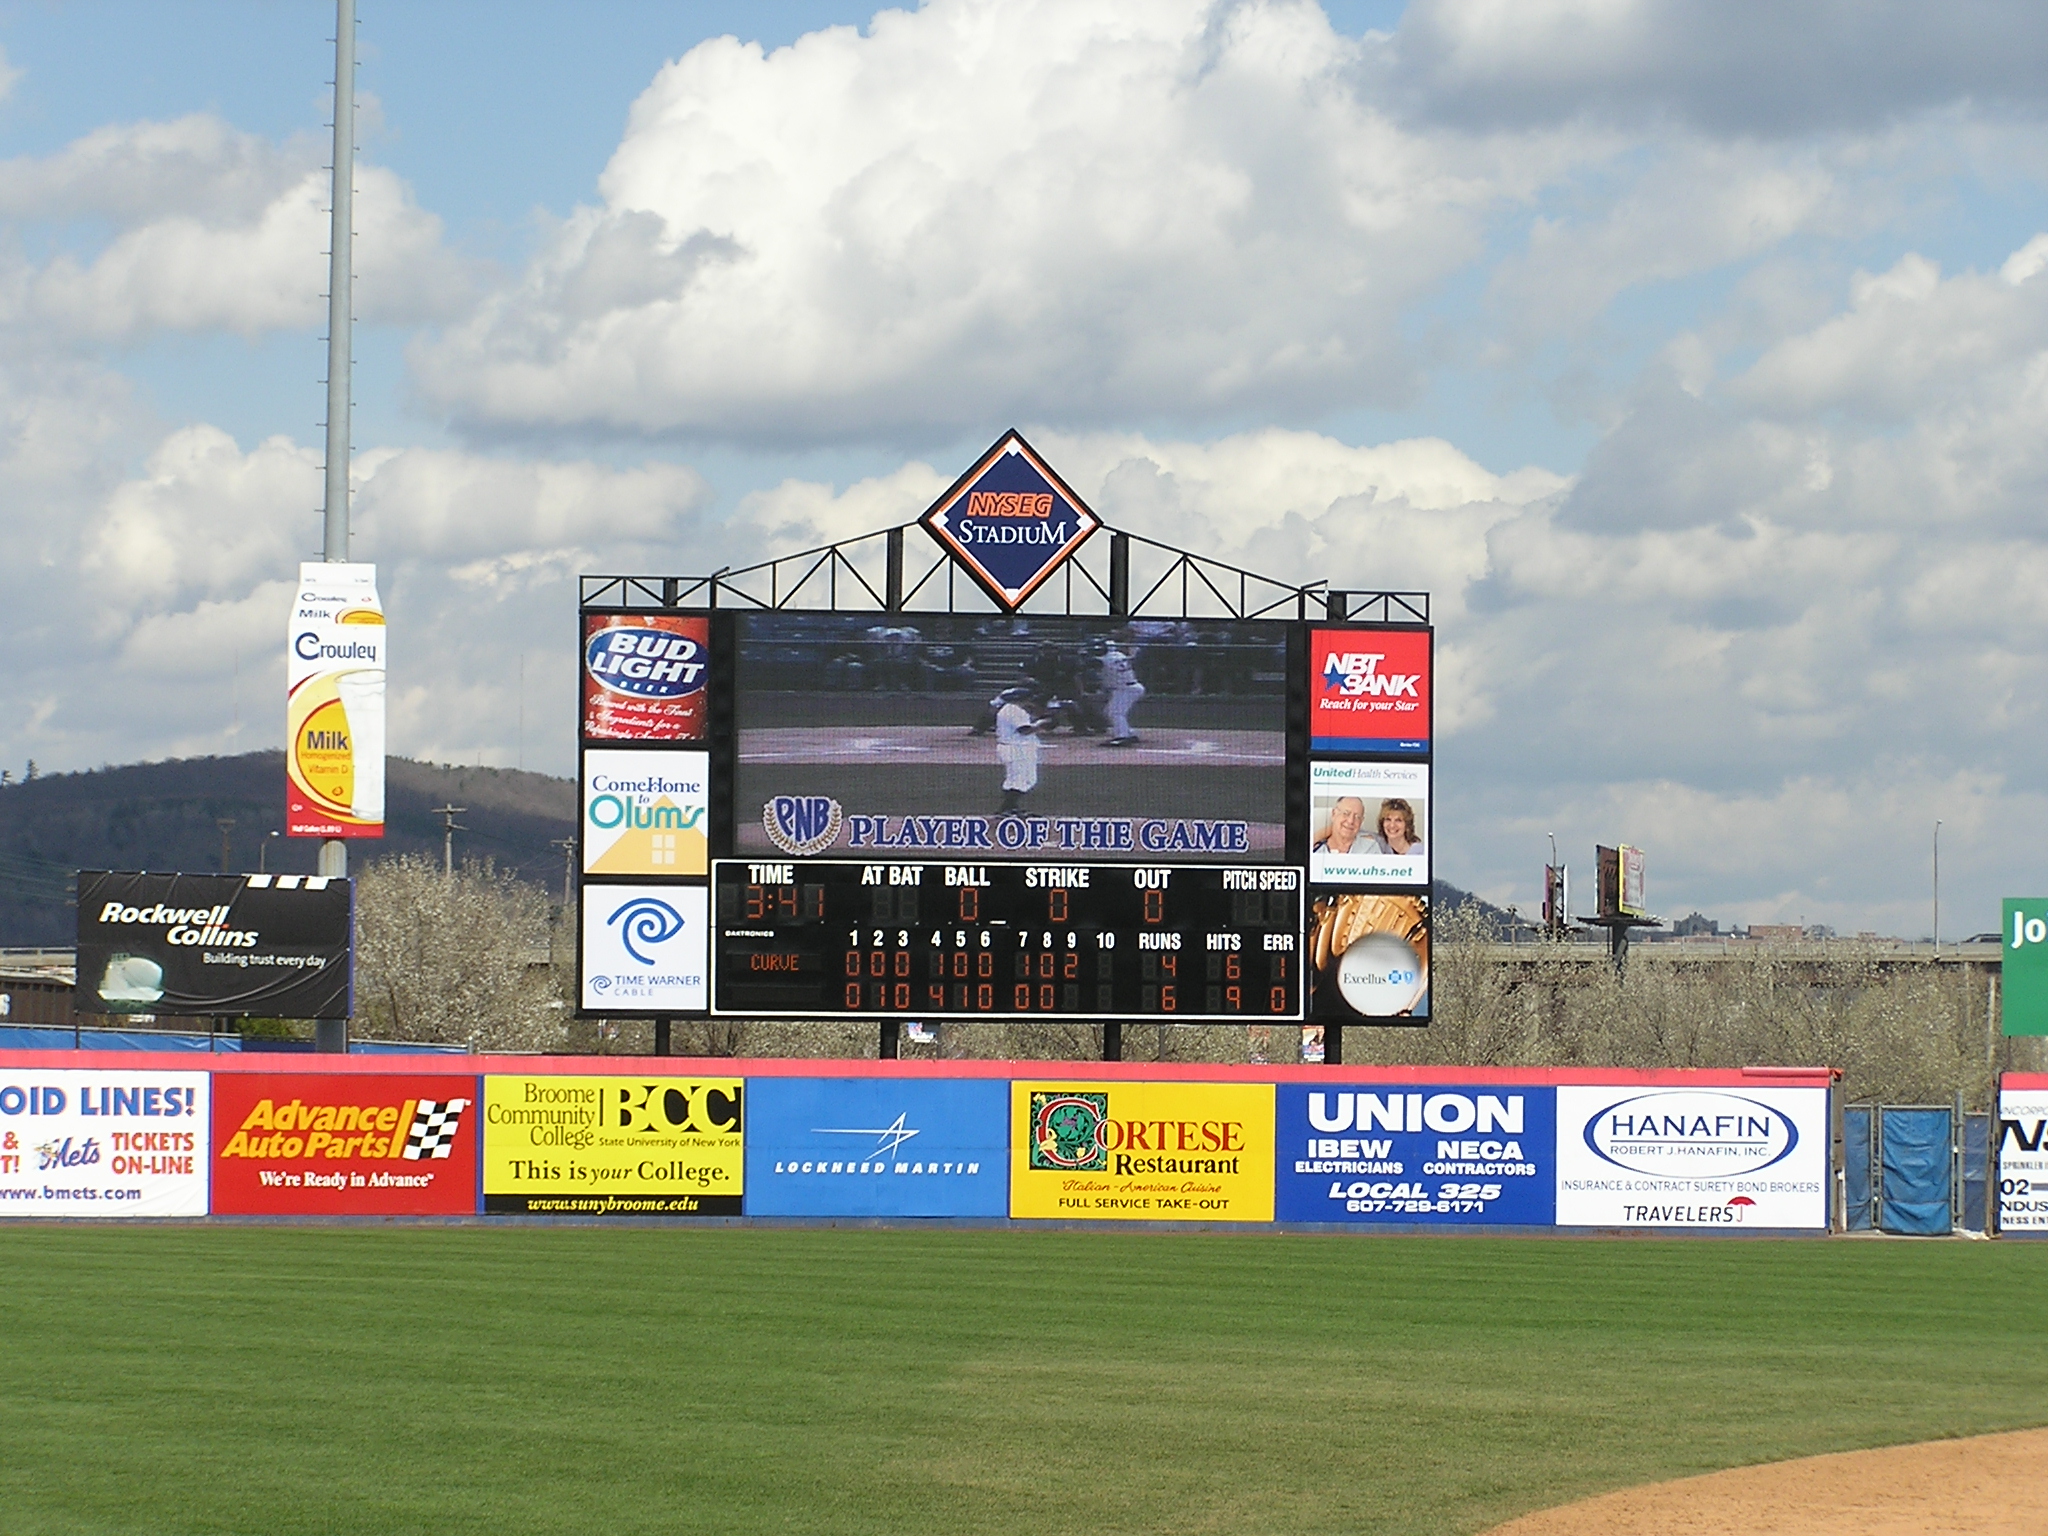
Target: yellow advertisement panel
1142, 1151
614, 1146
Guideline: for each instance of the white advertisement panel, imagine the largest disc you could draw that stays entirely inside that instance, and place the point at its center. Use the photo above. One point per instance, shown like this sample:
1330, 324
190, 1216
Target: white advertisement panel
335, 660
1640, 1156
1368, 824
103, 1143
644, 812
646, 948
2023, 1161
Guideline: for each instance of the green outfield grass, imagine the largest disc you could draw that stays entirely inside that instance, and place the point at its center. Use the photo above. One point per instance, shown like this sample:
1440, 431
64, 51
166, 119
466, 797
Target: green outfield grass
378, 1380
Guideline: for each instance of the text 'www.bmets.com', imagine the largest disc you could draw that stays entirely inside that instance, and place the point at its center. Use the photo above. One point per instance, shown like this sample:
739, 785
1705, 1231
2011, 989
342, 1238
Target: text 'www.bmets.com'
610, 1203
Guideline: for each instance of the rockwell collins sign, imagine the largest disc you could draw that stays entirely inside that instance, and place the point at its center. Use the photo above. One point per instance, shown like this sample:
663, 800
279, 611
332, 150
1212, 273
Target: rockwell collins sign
265, 946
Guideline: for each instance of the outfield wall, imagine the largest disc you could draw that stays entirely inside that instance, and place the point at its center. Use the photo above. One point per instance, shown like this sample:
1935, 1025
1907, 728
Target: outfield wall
105, 1134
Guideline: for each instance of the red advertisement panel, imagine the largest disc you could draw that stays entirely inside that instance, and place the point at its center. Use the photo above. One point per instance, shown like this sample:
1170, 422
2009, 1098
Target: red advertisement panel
306, 1144
645, 676
1369, 690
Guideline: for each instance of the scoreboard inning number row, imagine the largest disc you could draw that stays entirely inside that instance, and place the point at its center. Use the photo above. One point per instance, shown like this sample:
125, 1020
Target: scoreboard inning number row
817, 937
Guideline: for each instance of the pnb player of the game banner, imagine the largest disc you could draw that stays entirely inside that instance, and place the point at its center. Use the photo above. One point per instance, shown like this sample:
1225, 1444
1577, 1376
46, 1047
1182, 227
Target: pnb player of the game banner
644, 812
614, 1146
2022, 1152
102, 1143
335, 664
1369, 690
1010, 521
1398, 1154
317, 1144
1692, 1157
644, 676
1142, 1151
1102, 738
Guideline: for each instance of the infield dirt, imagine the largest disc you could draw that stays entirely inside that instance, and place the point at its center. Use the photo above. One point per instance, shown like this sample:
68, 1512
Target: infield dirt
1988, 1485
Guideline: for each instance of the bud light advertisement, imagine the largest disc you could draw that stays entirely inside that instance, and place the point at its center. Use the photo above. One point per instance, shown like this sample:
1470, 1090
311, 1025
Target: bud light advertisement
1466, 1154
838, 1146
1368, 691
645, 676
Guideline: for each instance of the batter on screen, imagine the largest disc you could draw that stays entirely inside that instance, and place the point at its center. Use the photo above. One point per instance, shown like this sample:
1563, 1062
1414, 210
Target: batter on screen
1016, 746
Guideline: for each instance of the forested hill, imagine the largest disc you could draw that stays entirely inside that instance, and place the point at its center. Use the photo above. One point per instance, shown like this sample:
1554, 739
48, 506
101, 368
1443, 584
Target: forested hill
166, 816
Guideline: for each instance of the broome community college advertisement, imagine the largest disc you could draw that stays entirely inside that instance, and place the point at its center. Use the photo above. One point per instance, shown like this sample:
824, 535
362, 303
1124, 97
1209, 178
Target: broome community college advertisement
1142, 1151
343, 1144
2022, 1160
614, 1146
998, 736
819, 1146
1692, 1157
82, 1143
1456, 1155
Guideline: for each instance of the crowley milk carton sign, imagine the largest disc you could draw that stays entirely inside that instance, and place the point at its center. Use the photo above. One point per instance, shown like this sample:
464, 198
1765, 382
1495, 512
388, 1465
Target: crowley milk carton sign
1010, 521
334, 712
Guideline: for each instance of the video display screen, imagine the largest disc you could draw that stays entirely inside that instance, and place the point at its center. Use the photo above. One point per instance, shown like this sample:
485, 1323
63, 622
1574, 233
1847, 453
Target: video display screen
1009, 736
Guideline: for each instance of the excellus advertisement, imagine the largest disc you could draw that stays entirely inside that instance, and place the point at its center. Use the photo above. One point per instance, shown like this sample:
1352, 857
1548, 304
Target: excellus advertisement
102, 1143
1142, 1151
614, 1146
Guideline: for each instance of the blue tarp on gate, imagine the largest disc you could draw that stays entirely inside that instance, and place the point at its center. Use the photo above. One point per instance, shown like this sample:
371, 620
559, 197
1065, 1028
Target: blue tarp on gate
1976, 1170
1917, 1172
1856, 1166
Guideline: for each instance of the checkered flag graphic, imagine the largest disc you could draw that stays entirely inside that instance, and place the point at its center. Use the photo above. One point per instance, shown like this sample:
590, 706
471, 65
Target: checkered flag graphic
434, 1124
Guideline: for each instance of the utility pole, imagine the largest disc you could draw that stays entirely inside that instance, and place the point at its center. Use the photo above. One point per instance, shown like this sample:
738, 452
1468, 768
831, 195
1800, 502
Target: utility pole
448, 813
226, 825
1937, 889
568, 847
332, 1034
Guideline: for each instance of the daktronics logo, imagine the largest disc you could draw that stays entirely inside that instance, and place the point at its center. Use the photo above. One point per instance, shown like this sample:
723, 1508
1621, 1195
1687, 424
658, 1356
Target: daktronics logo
1369, 690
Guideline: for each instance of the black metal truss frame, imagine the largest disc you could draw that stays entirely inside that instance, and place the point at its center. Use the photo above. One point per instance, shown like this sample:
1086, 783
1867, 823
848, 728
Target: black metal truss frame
869, 574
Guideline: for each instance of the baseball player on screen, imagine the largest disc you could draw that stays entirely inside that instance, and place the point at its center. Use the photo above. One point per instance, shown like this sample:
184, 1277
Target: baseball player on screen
1120, 683
1016, 746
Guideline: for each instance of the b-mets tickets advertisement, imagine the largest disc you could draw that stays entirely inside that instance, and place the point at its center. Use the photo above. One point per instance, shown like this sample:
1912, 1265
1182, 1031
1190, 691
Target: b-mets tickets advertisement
2022, 1160
1142, 1151
1458, 1155
342, 1144
614, 1146
1692, 1157
102, 1143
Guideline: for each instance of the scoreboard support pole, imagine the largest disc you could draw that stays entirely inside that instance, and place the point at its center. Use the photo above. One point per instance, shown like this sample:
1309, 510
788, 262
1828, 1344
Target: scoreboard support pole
1113, 1040
1333, 1045
891, 1045
661, 1036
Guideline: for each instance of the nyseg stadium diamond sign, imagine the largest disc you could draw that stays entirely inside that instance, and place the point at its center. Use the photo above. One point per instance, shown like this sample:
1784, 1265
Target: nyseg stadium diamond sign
1010, 521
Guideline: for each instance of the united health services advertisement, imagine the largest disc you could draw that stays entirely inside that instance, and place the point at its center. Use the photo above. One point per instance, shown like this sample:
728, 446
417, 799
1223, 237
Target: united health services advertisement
836, 1146
103, 1143
1369, 823
335, 1144
1459, 1155
2022, 1160
614, 1146
1142, 1151
1692, 1157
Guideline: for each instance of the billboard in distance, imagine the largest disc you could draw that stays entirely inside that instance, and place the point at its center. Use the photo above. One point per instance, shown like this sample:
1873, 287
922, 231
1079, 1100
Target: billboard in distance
2022, 1160
1369, 691
1456, 1155
1692, 1157
1368, 957
644, 812
646, 948
2023, 978
1110, 738
335, 660
1084, 1151
855, 1146
265, 946
321, 1144
614, 1146
1368, 824
83, 1143
645, 676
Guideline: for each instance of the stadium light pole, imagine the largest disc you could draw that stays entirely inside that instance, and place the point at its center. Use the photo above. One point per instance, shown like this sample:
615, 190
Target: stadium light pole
331, 1035
1937, 887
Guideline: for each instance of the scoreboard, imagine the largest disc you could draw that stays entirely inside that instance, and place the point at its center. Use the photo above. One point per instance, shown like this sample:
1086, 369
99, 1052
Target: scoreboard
820, 937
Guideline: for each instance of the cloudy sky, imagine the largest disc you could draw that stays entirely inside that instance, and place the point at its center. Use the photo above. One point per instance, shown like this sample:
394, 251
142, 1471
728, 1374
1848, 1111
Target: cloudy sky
1694, 358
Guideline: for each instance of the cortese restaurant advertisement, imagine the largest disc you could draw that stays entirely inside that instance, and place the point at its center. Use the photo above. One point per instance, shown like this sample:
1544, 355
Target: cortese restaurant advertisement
86, 1143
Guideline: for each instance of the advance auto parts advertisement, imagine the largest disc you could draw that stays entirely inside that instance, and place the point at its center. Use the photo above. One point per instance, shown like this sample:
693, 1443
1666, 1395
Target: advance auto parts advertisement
343, 1144
1692, 1157
1142, 1151
614, 1146
1452, 1156
267, 946
102, 1143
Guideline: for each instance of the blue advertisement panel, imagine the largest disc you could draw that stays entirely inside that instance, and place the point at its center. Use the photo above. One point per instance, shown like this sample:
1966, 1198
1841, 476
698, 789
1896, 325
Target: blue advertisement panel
839, 1146
1468, 1154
